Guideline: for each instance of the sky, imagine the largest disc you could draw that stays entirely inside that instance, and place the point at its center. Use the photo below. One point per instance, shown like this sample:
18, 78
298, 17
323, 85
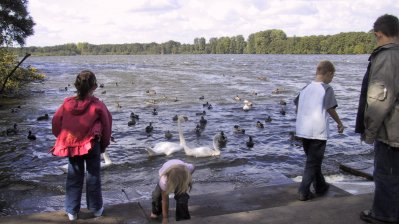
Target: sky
144, 21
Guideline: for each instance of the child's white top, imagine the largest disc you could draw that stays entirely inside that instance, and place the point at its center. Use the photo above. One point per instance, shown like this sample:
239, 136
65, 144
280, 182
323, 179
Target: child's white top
312, 104
163, 180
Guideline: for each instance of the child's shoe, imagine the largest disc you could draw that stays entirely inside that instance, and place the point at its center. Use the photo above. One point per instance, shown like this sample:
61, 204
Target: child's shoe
99, 212
72, 217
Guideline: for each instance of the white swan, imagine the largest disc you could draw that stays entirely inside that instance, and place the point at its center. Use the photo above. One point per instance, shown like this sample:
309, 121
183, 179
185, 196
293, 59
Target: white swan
107, 162
165, 148
202, 151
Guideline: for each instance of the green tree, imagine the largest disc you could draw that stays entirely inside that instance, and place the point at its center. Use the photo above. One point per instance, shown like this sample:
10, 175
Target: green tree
15, 22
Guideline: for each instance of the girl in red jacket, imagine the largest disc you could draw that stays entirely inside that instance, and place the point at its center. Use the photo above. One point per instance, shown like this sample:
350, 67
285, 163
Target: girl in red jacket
82, 126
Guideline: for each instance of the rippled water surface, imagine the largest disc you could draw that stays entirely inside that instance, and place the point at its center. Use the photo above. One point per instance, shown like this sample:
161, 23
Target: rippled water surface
179, 82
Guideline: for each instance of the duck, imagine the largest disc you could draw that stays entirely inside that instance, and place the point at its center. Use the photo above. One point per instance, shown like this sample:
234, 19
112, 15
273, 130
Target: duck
155, 112
278, 90
283, 102
45, 117
102, 85
237, 98
268, 119
198, 130
168, 134
175, 118
259, 124
247, 105
203, 151
282, 111
63, 89
200, 113
149, 128
250, 143
210, 107
151, 92
238, 130
132, 122
13, 130
203, 122
205, 104
31, 136
107, 162
16, 109
221, 139
134, 116
201, 98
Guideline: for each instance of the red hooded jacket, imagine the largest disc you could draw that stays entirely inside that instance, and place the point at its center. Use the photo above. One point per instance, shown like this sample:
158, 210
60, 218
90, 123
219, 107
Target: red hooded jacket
77, 123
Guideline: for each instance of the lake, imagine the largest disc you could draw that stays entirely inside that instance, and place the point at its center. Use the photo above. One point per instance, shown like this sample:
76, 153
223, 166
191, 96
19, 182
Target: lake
179, 81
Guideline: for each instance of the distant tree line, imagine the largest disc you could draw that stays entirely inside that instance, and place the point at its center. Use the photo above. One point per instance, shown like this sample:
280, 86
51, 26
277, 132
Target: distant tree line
263, 42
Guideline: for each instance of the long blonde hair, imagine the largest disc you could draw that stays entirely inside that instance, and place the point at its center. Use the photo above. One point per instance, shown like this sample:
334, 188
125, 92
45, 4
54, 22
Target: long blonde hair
179, 179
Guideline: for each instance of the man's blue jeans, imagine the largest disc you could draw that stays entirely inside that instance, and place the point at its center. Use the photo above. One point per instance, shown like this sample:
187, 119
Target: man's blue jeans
314, 151
75, 180
386, 179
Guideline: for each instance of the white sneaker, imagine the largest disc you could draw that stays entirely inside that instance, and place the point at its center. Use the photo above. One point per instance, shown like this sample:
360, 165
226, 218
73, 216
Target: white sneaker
99, 212
72, 217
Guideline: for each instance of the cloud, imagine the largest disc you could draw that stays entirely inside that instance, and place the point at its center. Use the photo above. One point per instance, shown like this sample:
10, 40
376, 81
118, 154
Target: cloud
144, 21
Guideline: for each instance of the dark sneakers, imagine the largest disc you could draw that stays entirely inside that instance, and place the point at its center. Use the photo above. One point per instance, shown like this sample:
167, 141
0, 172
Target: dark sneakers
367, 217
323, 191
303, 197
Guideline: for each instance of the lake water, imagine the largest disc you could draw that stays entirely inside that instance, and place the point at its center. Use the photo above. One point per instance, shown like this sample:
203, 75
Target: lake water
26, 167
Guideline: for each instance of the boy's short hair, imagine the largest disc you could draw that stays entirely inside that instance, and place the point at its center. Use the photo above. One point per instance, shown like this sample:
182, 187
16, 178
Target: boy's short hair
388, 25
325, 67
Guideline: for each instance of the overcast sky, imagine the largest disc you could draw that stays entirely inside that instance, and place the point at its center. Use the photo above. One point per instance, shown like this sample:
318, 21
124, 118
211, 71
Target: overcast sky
145, 21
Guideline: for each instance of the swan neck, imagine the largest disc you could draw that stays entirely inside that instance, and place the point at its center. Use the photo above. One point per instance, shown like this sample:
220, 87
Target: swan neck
181, 137
106, 158
215, 144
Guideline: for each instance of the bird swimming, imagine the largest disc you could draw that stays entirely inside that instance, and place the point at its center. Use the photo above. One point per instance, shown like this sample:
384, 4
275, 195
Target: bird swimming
221, 139
238, 130
166, 148
43, 118
268, 119
202, 122
168, 134
202, 151
31, 136
13, 130
131, 122
155, 112
200, 113
134, 116
259, 124
247, 105
250, 143
149, 128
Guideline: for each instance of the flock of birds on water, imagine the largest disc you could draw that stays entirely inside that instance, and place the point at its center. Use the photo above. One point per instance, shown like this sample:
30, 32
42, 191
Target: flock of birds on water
166, 147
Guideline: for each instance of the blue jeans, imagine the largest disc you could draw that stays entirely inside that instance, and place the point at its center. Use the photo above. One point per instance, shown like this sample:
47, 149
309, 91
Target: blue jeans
386, 179
75, 179
314, 151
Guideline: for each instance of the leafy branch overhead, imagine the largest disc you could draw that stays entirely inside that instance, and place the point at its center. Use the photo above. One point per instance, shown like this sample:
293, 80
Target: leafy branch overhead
15, 22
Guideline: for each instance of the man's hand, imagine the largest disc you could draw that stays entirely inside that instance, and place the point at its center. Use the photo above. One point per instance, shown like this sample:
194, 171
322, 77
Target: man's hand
367, 140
